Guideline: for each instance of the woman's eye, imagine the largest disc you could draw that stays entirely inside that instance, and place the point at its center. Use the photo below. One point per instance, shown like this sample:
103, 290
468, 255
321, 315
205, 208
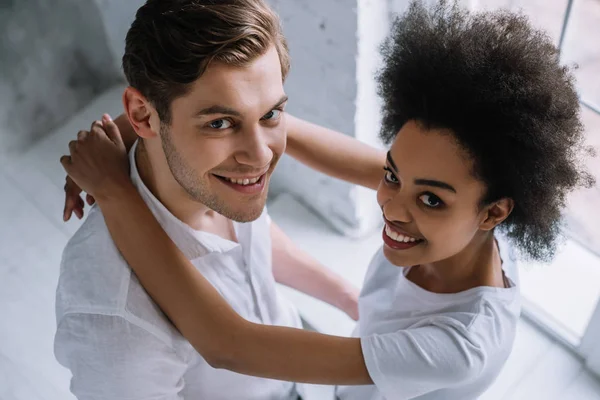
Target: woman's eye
273, 114
431, 200
220, 124
390, 177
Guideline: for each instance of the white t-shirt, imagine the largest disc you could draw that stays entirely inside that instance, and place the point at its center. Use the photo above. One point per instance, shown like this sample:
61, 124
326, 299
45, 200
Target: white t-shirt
117, 342
428, 346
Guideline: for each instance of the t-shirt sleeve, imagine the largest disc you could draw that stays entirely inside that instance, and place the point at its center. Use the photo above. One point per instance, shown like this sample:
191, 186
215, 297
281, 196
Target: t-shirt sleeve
409, 363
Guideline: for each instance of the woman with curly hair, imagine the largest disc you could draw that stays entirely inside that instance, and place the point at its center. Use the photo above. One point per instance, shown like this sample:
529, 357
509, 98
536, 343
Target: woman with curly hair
486, 143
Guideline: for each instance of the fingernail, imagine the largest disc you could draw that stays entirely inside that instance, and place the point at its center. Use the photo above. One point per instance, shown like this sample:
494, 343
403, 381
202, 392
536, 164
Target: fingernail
107, 117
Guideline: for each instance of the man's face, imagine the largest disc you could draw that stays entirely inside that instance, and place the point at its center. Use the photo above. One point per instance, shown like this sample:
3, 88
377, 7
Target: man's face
227, 134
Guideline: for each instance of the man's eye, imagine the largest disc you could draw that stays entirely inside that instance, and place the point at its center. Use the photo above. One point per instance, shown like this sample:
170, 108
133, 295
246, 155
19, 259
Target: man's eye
220, 124
431, 200
273, 114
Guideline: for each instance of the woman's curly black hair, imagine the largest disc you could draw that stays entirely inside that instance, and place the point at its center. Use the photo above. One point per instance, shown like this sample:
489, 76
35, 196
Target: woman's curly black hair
496, 83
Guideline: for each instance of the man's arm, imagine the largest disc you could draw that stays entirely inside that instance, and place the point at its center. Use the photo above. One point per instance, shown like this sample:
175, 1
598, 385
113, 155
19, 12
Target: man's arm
334, 153
113, 359
295, 268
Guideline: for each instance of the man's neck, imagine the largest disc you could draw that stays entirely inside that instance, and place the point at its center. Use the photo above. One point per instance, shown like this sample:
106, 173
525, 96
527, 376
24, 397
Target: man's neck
157, 177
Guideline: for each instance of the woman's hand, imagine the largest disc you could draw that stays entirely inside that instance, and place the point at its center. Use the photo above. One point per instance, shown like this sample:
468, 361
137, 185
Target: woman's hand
98, 164
73, 202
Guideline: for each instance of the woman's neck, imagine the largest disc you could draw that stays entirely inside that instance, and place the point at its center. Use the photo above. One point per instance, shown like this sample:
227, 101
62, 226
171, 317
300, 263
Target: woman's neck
478, 264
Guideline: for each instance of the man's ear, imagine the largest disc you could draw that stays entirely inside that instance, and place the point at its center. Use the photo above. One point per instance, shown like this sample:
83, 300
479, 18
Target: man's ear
496, 212
141, 114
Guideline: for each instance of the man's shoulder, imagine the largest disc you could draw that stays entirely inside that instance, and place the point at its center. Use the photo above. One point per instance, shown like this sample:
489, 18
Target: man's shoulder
96, 279
92, 272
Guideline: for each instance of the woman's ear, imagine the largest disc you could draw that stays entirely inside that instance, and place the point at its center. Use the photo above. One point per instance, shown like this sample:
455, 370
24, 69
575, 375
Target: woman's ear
140, 113
496, 212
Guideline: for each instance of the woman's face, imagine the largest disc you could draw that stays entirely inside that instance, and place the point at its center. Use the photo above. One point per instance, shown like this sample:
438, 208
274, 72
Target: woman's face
429, 197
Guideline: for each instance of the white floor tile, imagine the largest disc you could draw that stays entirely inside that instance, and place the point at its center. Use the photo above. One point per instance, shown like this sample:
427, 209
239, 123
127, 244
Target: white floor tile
552, 374
347, 257
530, 346
585, 387
30, 251
567, 289
46, 195
18, 382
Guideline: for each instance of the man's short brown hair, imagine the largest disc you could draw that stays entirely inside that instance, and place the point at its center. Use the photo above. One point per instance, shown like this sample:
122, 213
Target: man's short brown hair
171, 43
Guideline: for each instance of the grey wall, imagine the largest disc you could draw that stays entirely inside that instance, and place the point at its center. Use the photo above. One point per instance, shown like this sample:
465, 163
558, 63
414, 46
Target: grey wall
54, 58
322, 89
117, 16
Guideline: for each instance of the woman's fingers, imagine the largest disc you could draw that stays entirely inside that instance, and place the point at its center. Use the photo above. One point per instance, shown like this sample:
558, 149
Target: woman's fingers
111, 129
73, 201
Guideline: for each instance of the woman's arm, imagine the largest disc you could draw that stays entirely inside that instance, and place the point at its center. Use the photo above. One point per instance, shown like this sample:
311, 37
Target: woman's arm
216, 331
334, 153
226, 340
127, 133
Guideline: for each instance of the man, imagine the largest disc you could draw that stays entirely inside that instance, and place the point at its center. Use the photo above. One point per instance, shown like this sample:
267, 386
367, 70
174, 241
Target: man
206, 100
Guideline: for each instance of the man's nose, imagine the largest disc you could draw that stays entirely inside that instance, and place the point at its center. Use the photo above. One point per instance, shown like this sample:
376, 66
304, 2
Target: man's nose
255, 149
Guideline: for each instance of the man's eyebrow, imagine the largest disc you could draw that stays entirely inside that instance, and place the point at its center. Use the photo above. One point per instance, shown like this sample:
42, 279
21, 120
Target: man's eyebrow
280, 102
217, 109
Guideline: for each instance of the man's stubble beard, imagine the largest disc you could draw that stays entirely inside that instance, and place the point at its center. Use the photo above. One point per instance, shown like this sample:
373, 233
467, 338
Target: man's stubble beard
198, 190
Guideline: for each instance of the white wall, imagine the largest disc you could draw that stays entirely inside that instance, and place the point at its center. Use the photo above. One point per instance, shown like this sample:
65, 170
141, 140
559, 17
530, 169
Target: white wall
333, 44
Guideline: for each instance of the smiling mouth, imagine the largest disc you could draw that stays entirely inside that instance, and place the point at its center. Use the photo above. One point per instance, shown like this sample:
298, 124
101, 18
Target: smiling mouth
399, 237
242, 182
399, 241
247, 186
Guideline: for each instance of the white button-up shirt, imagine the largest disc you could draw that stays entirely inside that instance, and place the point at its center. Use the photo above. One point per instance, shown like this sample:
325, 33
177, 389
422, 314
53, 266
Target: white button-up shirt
117, 342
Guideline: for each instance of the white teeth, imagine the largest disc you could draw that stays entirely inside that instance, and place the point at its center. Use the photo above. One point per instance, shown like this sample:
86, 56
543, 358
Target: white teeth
398, 237
244, 182
391, 233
